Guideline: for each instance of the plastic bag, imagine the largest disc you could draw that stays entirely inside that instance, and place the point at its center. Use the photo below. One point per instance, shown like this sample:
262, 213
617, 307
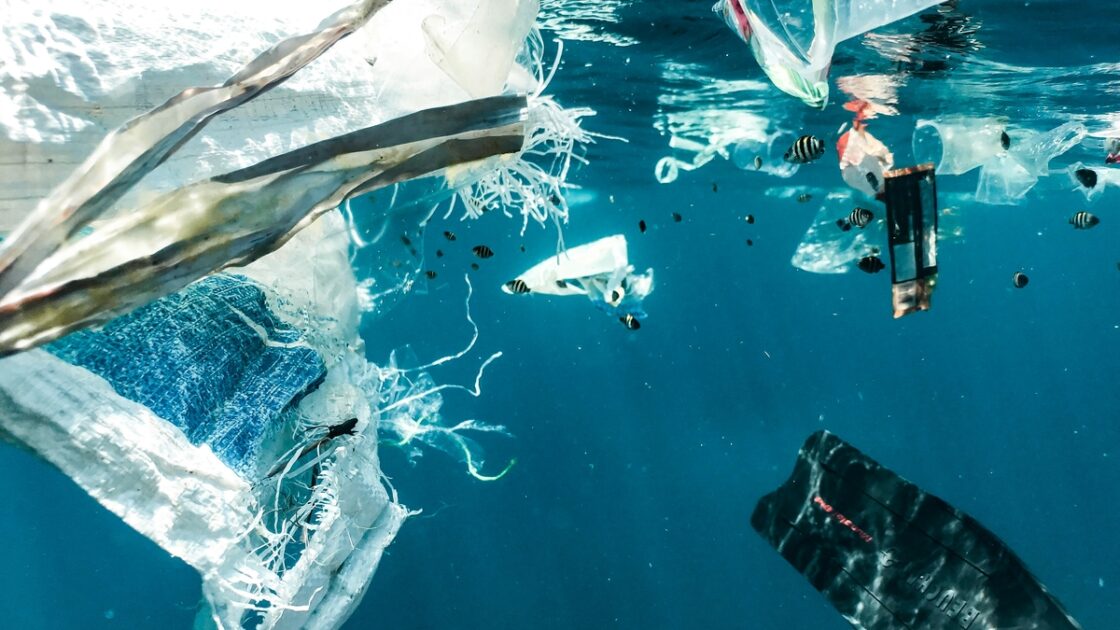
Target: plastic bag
793, 40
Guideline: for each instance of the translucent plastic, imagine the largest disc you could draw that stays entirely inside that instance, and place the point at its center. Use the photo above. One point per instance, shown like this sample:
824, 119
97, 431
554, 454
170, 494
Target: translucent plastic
958, 145
765, 156
1105, 177
793, 40
478, 55
1009, 176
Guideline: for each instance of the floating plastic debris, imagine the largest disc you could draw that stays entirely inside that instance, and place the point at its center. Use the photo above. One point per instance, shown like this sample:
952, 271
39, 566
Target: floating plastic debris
958, 145
911, 197
600, 270
793, 40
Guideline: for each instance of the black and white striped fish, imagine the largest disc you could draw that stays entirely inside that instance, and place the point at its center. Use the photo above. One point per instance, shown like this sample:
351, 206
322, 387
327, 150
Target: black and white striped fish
449, 235
860, 217
517, 286
1019, 280
482, 251
630, 322
804, 150
1083, 220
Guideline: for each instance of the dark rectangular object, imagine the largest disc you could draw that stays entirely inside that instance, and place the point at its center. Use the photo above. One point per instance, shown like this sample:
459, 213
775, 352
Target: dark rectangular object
889, 556
911, 197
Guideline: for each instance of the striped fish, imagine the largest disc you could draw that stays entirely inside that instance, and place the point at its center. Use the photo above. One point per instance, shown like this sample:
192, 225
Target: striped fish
1019, 280
517, 286
804, 150
482, 251
1083, 220
860, 217
449, 235
630, 322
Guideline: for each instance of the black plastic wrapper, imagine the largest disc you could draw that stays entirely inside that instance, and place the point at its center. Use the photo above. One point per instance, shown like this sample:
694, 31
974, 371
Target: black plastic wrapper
888, 555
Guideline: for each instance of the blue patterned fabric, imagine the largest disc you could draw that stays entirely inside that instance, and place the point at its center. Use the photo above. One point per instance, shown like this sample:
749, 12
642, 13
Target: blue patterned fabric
194, 360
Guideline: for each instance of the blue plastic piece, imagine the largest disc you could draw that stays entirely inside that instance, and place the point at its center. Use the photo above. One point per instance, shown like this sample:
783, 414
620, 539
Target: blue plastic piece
194, 359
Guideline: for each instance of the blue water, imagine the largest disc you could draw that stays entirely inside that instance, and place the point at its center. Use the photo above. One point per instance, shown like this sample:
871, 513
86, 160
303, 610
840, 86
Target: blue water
641, 454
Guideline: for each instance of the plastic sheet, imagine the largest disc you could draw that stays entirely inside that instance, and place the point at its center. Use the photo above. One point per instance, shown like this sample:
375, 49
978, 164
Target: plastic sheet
826, 249
959, 145
793, 40
1007, 178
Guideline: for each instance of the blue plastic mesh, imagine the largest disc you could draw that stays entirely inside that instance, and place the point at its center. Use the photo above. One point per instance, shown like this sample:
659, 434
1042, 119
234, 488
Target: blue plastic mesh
192, 359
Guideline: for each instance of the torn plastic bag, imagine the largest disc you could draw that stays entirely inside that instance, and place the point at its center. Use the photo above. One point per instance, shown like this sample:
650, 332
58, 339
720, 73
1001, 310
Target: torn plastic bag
172, 415
599, 270
1010, 167
793, 40
888, 555
1008, 177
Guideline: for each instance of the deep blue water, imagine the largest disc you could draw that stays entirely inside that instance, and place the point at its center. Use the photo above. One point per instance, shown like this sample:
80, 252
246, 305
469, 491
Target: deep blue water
641, 454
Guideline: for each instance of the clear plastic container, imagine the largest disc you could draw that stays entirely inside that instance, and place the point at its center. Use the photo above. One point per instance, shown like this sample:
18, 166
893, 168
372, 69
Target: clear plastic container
957, 145
765, 156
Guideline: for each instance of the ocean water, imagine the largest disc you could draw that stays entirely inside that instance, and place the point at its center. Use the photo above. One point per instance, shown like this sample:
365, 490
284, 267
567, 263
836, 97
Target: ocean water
641, 454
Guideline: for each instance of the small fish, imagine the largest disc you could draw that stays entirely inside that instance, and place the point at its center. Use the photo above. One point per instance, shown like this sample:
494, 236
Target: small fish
750, 219
616, 297
1083, 220
342, 428
630, 322
642, 226
677, 217
804, 197
407, 241
482, 251
871, 264
431, 274
562, 284
412, 251
873, 181
750, 243
474, 266
449, 235
804, 150
758, 162
1087, 177
715, 187
439, 253
522, 248
860, 217
1004, 140
1019, 279
554, 199
517, 286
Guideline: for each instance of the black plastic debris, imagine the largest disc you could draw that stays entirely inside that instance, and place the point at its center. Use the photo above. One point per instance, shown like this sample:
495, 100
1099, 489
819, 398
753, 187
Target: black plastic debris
911, 198
890, 556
